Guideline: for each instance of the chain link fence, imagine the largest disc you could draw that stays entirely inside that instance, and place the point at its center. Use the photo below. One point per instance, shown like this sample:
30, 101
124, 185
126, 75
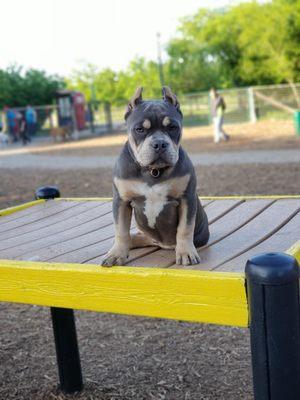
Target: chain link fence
242, 105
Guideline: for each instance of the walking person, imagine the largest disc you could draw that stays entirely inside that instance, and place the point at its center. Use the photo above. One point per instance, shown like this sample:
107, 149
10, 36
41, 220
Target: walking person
11, 123
23, 129
31, 120
218, 110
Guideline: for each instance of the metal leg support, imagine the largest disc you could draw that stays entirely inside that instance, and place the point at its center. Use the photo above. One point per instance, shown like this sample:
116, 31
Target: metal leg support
67, 352
273, 296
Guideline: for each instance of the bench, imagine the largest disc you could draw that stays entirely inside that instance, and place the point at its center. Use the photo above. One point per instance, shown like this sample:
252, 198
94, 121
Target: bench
50, 251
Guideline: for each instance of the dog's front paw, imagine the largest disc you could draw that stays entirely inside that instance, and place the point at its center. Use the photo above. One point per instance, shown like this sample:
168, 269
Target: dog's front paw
115, 256
187, 255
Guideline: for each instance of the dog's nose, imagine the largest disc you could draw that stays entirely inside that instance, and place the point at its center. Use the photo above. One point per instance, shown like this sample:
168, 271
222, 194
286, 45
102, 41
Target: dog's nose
159, 145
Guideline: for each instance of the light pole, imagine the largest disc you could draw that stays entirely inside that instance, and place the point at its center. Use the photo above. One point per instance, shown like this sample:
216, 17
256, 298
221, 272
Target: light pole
159, 61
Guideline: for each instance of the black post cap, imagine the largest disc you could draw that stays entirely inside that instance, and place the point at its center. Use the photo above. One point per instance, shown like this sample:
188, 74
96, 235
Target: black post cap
272, 269
47, 192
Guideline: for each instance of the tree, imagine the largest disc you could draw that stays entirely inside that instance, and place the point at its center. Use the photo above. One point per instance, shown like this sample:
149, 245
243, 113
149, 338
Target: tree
34, 87
108, 86
250, 43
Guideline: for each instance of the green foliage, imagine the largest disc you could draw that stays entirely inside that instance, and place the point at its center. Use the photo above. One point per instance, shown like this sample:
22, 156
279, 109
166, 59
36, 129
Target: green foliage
250, 43
116, 87
32, 87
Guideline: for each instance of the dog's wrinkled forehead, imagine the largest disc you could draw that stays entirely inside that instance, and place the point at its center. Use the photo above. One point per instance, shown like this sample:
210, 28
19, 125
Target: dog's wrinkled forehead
154, 114
139, 110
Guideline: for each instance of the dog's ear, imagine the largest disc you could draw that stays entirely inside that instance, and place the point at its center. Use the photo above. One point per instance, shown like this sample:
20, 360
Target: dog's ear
169, 96
135, 100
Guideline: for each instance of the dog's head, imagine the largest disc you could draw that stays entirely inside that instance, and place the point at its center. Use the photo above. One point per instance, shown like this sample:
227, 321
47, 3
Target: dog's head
154, 129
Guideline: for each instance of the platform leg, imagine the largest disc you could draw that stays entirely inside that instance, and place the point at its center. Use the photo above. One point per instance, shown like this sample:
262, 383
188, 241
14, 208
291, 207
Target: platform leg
67, 352
273, 296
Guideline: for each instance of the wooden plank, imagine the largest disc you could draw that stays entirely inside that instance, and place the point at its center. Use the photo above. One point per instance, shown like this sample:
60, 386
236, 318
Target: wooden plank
77, 248
87, 248
29, 223
165, 258
133, 255
84, 222
45, 210
12, 210
94, 248
205, 203
253, 197
35, 207
250, 235
217, 298
279, 241
218, 209
236, 218
62, 215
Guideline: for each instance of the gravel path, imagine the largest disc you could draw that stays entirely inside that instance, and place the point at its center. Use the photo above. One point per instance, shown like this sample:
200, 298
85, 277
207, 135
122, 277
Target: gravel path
75, 162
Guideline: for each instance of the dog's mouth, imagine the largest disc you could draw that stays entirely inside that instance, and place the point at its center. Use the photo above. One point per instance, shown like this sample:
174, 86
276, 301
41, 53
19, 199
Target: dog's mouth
159, 163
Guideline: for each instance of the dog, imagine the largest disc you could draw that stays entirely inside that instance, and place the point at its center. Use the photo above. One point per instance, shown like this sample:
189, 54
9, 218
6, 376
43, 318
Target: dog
4, 139
63, 132
154, 178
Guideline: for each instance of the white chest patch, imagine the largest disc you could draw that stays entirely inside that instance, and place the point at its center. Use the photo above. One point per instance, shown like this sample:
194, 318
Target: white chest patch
156, 199
155, 196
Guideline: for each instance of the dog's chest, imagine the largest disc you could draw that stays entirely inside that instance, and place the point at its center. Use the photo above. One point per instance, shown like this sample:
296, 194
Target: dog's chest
156, 196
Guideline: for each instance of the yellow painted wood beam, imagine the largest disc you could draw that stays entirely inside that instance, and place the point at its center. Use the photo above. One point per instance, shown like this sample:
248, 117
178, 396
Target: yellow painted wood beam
11, 210
295, 251
199, 296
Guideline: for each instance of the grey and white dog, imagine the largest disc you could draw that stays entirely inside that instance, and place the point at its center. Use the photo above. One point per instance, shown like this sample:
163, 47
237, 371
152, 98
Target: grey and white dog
154, 178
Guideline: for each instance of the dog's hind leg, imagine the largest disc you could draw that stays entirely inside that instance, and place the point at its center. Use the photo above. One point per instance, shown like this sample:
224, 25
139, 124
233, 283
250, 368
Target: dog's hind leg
139, 239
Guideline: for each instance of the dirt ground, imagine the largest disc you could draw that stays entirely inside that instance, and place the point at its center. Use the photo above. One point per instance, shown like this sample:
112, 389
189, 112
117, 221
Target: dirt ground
262, 135
133, 358
18, 186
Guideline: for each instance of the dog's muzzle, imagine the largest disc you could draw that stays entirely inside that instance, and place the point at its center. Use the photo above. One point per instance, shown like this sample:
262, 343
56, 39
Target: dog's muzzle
160, 146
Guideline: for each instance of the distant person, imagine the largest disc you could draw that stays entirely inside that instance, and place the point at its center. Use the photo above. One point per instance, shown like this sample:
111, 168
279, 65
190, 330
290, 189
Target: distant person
11, 123
23, 129
31, 120
218, 110
3, 136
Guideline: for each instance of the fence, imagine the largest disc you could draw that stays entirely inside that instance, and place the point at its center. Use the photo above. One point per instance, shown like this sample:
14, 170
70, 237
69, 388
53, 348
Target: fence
243, 105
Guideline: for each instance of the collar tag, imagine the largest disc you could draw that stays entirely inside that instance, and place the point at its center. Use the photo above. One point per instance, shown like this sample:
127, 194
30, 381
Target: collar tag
155, 172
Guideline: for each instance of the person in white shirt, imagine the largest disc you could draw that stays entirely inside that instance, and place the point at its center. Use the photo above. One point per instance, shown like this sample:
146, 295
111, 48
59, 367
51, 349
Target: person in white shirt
218, 109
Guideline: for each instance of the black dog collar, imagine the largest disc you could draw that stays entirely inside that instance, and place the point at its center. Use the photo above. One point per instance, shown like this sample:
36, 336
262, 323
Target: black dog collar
157, 172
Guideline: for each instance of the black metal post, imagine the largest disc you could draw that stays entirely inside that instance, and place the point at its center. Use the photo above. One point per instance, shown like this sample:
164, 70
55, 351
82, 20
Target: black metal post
67, 352
47, 192
273, 296
64, 329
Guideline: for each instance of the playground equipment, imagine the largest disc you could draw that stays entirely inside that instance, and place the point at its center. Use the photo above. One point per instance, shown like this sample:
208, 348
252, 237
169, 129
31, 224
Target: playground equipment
71, 109
68, 238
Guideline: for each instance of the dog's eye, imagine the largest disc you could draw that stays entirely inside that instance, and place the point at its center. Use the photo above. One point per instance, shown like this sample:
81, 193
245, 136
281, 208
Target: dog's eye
172, 127
139, 129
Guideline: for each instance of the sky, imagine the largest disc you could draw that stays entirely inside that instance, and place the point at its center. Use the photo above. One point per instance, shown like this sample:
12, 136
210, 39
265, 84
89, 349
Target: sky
59, 36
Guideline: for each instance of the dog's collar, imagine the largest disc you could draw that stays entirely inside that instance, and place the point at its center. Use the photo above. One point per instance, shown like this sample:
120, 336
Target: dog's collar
157, 172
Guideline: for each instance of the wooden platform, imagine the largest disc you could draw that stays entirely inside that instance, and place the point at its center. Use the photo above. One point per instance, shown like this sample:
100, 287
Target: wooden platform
49, 251
81, 231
